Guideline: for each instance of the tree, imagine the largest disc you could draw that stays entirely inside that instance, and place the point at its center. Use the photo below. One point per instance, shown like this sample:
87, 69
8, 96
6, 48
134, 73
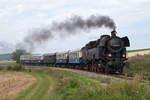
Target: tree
17, 53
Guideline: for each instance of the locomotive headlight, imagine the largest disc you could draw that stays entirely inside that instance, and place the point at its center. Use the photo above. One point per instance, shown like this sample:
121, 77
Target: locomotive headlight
109, 55
123, 55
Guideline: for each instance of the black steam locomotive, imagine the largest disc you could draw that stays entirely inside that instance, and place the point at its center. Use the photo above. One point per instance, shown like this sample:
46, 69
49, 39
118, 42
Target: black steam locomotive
107, 54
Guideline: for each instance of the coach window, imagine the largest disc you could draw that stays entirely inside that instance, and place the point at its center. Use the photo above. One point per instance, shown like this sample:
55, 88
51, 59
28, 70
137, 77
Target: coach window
70, 55
59, 56
74, 55
64, 56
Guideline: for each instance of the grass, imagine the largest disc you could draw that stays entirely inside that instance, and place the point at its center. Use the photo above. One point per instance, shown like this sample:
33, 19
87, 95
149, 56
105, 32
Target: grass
76, 87
137, 50
139, 64
38, 90
14, 67
126, 90
71, 86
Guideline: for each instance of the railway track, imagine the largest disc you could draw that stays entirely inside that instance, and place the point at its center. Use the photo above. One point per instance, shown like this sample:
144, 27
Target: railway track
142, 77
95, 74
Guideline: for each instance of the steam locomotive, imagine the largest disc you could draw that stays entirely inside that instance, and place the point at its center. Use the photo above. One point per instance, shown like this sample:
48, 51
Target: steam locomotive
107, 54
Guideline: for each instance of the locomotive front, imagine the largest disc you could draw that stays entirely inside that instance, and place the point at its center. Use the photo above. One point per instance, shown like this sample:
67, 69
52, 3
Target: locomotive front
116, 53
107, 54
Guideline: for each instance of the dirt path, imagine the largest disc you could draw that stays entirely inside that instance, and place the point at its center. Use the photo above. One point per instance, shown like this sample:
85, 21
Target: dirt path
41, 89
50, 89
11, 83
131, 54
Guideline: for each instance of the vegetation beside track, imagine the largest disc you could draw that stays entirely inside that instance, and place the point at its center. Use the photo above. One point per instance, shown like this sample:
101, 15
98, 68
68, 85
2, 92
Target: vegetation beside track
77, 87
63, 85
139, 64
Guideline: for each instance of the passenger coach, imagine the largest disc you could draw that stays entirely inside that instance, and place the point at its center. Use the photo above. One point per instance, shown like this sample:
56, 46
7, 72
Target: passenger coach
62, 58
75, 57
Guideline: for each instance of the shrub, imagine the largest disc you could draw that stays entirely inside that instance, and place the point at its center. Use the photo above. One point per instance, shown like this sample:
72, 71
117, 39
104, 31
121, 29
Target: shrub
1, 68
17, 67
9, 68
105, 80
127, 90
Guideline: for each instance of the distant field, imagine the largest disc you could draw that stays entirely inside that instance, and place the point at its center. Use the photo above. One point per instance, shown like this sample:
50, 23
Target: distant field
138, 50
7, 62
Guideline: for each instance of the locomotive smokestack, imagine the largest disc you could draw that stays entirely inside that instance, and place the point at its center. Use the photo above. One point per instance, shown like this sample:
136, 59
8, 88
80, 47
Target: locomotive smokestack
113, 33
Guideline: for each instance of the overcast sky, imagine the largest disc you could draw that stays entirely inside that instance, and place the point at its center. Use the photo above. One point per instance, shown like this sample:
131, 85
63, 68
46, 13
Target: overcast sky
17, 17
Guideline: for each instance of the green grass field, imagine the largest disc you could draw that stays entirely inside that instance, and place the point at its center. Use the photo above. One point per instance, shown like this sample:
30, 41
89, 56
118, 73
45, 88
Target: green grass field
63, 85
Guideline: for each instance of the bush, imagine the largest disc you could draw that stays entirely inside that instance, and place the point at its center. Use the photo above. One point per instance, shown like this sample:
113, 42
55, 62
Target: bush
127, 90
9, 68
1, 68
17, 67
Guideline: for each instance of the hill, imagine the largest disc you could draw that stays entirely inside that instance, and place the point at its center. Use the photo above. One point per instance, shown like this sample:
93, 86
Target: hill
5, 56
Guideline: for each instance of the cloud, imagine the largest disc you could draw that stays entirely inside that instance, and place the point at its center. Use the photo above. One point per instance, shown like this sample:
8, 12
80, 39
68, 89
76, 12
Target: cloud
17, 17
20, 8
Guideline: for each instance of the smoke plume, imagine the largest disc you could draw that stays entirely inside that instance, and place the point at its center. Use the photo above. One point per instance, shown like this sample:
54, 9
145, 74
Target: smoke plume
6, 47
65, 28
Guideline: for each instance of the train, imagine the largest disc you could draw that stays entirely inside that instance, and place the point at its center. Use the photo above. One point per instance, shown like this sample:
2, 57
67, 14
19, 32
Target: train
106, 54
